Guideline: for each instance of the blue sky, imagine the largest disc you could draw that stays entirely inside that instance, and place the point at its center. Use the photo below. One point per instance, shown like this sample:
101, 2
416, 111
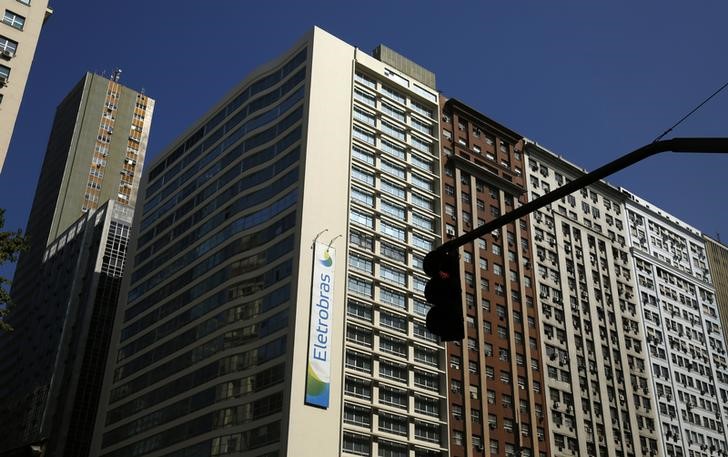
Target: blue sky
588, 80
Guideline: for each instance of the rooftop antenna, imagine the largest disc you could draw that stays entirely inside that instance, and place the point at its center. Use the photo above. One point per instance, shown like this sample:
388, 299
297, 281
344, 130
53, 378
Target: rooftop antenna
116, 75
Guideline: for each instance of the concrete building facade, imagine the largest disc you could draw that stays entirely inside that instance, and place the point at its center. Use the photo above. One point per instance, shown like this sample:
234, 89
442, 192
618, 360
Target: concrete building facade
687, 351
275, 299
597, 376
497, 397
19, 32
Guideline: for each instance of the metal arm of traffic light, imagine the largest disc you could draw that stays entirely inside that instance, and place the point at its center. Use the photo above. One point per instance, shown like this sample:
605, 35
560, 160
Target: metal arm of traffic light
708, 145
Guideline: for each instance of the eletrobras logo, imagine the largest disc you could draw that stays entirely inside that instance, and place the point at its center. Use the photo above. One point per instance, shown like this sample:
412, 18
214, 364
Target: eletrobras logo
318, 375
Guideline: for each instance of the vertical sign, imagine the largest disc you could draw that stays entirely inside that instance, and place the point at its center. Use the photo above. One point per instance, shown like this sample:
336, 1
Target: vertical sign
318, 375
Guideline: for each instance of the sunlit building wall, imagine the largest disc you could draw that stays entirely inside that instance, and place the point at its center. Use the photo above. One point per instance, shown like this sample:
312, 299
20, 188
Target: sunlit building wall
686, 347
598, 382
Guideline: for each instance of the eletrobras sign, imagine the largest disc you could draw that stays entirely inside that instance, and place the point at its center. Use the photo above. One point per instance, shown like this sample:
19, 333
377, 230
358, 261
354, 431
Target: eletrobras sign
318, 375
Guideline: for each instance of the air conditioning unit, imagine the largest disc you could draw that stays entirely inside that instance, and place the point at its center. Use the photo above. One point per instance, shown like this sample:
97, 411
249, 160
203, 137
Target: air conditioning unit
7, 53
3, 81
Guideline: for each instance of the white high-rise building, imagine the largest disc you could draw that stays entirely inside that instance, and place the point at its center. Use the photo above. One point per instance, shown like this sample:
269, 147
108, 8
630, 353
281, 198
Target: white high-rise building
687, 351
275, 299
596, 372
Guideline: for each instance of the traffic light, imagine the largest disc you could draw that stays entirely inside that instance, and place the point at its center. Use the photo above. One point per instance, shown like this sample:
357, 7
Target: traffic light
445, 318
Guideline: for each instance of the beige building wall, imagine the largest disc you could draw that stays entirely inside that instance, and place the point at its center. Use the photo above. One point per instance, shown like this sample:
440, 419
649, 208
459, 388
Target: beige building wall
597, 376
19, 32
311, 430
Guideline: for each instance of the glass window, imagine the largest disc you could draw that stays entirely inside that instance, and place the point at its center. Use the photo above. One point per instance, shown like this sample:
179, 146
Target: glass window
356, 444
421, 126
364, 135
422, 109
360, 286
361, 218
421, 183
14, 20
365, 80
422, 202
422, 145
359, 310
360, 263
392, 297
392, 230
393, 209
393, 252
362, 116
362, 196
8, 46
394, 170
393, 149
393, 94
392, 321
4, 74
365, 98
363, 176
393, 112
392, 130
358, 387
393, 189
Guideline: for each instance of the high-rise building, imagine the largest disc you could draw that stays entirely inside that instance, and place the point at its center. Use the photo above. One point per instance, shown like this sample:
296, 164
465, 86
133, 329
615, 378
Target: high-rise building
597, 376
95, 153
686, 347
19, 32
66, 285
275, 301
52, 366
497, 396
717, 254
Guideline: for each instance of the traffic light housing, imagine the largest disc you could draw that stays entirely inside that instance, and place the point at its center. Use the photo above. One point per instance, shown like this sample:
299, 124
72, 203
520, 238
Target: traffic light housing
443, 292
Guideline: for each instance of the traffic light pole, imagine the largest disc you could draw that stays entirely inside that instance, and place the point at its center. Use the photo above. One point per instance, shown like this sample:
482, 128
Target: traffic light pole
695, 145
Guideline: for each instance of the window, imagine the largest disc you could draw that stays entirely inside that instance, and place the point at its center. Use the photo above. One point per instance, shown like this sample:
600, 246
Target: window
360, 286
391, 449
359, 310
393, 210
356, 444
365, 98
364, 135
365, 80
362, 196
8, 45
392, 169
361, 218
393, 424
358, 387
393, 252
362, 116
389, 229
393, 396
14, 20
392, 111
357, 415
4, 74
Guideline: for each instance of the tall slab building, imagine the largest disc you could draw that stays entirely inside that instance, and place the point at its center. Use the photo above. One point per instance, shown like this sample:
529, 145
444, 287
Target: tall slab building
597, 373
687, 350
497, 398
66, 285
19, 32
275, 301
